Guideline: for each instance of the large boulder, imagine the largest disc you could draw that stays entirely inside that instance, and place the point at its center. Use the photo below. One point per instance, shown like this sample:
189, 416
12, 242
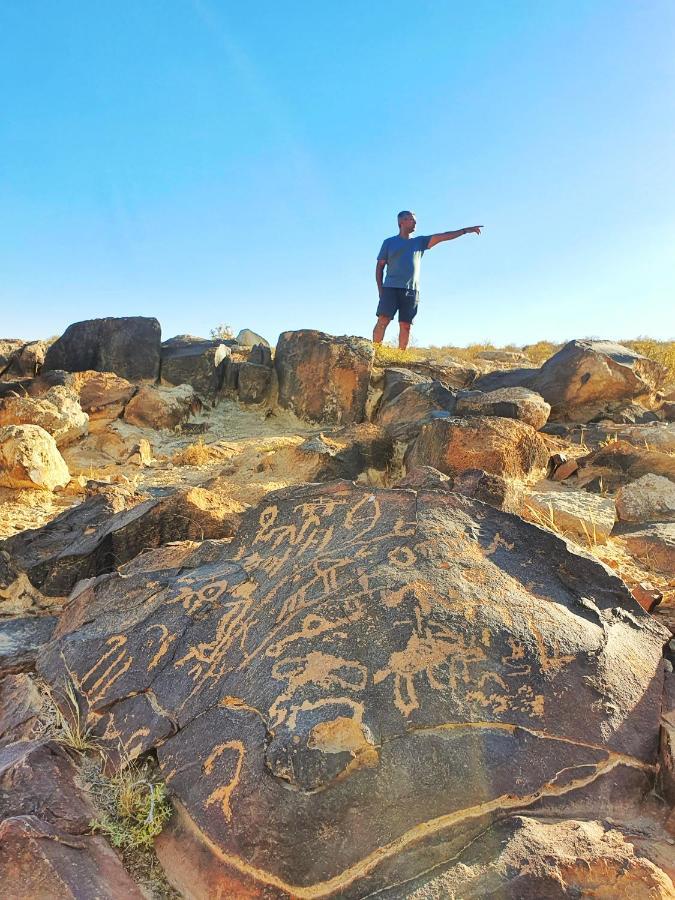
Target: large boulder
29, 458
8, 347
503, 447
511, 403
248, 338
103, 396
403, 416
161, 407
396, 380
129, 347
649, 499
653, 545
99, 535
584, 376
323, 378
193, 361
58, 412
21, 640
375, 676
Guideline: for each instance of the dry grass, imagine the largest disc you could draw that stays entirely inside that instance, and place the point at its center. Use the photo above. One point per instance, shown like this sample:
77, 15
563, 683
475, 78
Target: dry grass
197, 454
67, 724
537, 353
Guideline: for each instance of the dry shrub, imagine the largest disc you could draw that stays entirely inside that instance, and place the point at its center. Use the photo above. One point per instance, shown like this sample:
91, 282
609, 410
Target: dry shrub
197, 454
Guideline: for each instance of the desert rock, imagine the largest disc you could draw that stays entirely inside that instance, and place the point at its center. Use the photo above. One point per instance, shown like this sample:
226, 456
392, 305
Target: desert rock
29, 458
375, 675
504, 447
161, 407
511, 403
649, 499
58, 411
323, 378
129, 347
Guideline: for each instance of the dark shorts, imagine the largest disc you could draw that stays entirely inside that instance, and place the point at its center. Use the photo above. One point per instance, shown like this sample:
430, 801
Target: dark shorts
398, 300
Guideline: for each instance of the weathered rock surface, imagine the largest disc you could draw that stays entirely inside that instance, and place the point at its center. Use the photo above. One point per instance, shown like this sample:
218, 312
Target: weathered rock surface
584, 379
450, 372
347, 452
21, 705
26, 360
653, 544
586, 517
194, 362
8, 347
58, 412
375, 676
323, 378
396, 379
21, 640
619, 463
161, 407
425, 478
628, 414
403, 416
103, 396
502, 446
584, 376
253, 383
129, 347
29, 458
38, 860
649, 499
248, 338
489, 488
657, 436
527, 859
511, 403
98, 535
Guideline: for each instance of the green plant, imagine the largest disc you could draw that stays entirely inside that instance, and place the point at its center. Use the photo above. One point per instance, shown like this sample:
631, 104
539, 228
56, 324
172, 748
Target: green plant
136, 808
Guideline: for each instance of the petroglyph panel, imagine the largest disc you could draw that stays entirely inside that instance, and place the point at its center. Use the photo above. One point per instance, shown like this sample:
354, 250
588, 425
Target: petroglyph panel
366, 672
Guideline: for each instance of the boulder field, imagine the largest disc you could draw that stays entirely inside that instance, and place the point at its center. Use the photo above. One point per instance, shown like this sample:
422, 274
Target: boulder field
350, 629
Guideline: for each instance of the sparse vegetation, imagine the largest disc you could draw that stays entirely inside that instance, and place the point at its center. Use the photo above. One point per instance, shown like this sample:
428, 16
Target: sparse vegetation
197, 454
222, 332
135, 808
66, 723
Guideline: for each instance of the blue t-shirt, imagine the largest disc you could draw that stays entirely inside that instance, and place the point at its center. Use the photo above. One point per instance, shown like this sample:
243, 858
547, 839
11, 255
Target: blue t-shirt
403, 257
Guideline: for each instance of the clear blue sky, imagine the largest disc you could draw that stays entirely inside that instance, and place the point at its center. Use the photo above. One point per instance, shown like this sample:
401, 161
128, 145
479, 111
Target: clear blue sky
208, 162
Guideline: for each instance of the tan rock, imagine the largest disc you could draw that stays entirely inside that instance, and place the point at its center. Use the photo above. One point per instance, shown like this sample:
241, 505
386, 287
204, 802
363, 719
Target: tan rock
511, 403
103, 396
504, 447
29, 458
581, 515
58, 412
161, 407
649, 499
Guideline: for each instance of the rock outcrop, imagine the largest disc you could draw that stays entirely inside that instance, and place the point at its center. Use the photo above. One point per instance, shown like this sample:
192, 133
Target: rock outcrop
503, 447
377, 676
129, 347
29, 458
511, 403
323, 378
193, 361
161, 407
58, 411
649, 499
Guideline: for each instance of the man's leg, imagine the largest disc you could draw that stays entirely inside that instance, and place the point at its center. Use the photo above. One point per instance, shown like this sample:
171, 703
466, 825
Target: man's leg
403, 334
380, 328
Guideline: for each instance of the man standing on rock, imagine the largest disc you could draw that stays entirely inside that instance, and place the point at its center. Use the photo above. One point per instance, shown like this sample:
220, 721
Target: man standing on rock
399, 291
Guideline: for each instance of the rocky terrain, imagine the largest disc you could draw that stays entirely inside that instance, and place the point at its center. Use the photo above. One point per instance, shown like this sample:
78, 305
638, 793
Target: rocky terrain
307, 622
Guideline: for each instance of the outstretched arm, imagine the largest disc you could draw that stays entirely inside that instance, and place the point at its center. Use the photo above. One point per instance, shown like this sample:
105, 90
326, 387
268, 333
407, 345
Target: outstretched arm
379, 274
451, 235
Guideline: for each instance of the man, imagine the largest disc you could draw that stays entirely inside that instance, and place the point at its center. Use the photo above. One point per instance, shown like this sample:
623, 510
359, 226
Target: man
399, 291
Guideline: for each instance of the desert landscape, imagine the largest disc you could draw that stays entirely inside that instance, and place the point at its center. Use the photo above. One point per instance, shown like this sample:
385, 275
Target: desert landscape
327, 619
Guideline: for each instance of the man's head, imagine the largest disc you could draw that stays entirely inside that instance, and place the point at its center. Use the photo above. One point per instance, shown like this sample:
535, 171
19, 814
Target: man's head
406, 221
